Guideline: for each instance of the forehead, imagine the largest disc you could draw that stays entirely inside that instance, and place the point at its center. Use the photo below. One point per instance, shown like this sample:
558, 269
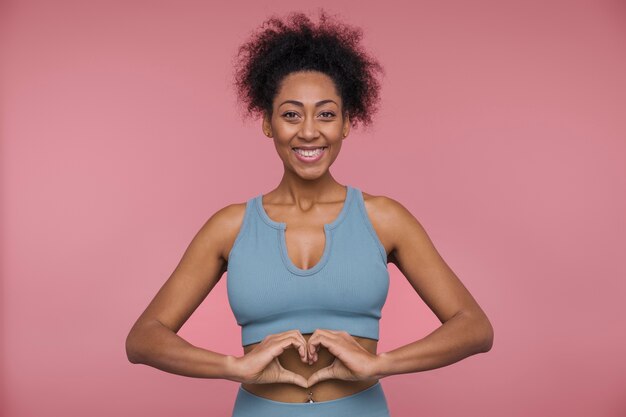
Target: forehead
307, 86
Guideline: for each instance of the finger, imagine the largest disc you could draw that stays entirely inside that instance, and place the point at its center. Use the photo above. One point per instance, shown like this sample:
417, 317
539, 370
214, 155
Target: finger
321, 375
321, 333
313, 347
293, 335
302, 350
312, 344
304, 355
294, 332
329, 340
287, 343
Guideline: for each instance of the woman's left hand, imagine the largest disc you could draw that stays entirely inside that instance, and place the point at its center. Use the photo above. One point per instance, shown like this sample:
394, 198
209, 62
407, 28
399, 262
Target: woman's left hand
352, 361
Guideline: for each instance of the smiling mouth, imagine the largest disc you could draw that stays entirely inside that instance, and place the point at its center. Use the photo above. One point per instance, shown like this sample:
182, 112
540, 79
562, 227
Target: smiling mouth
309, 152
309, 155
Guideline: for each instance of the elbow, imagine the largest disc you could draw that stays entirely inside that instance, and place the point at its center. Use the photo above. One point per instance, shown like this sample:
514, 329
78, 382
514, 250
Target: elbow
481, 331
132, 346
486, 340
131, 351
139, 340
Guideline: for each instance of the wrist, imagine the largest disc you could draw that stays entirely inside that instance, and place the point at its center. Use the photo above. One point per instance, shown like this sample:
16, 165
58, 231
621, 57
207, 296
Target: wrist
382, 367
231, 368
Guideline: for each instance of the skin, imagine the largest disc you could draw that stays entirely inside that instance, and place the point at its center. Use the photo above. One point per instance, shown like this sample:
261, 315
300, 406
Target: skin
331, 364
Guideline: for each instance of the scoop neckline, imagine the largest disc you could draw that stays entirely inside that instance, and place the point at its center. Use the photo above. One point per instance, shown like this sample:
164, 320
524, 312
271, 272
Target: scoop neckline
282, 226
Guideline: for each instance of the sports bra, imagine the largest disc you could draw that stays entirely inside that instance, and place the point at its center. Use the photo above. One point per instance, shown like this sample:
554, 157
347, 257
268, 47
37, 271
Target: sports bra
345, 290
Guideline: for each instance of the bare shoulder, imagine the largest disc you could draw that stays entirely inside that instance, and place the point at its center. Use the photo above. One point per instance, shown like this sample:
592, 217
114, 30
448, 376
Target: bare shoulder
225, 225
391, 220
216, 236
384, 207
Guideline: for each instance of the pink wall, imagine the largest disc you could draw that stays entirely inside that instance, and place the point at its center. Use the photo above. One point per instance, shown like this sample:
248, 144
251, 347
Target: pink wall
502, 129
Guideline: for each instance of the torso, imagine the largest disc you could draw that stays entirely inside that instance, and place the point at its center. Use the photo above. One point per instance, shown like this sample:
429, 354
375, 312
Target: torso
307, 253
326, 390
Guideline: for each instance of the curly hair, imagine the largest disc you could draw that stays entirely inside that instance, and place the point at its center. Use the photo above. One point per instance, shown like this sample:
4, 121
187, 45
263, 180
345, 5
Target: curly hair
280, 47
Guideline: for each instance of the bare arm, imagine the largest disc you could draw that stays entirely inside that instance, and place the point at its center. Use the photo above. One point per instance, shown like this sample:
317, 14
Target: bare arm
153, 340
465, 328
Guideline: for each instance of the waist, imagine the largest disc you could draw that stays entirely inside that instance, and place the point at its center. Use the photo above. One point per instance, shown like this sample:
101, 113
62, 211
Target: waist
326, 390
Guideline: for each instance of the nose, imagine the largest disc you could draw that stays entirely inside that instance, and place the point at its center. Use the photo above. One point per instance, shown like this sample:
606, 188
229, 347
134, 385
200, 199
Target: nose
309, 130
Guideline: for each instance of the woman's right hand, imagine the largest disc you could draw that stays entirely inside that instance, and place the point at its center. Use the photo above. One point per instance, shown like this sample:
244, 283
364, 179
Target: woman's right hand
261, 365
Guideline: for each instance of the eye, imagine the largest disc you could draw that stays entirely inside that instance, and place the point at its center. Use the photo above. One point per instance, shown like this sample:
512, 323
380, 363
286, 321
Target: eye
286, 114
329, 113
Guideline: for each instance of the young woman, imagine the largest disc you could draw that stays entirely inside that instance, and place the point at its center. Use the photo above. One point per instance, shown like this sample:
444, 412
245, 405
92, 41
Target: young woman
307, 262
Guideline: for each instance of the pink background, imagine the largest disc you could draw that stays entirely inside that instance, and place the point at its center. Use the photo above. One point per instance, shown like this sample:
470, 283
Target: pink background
502, 128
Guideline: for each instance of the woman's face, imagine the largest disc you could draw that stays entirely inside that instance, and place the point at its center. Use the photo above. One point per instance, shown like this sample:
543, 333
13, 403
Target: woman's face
307, 113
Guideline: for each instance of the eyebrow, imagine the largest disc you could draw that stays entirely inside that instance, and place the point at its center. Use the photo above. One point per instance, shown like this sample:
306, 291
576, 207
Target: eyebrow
297, 103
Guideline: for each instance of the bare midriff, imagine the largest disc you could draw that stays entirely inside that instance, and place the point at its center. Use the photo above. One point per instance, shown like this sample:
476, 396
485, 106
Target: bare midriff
330, 389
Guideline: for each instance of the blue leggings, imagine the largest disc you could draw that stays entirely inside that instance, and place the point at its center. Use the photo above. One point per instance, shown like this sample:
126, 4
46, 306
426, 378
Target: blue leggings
371, 402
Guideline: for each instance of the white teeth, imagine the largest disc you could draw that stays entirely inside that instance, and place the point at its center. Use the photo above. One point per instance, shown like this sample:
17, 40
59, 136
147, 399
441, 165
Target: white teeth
309, 153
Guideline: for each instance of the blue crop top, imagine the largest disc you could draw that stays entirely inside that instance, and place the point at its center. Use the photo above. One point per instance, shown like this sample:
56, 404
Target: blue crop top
345, 290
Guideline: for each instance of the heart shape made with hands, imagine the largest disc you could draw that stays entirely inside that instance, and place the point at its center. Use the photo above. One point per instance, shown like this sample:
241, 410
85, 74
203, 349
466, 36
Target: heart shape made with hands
352, 361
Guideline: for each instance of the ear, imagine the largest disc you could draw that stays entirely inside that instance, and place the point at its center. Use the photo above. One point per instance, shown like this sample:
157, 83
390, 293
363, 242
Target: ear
267, 125
346, 126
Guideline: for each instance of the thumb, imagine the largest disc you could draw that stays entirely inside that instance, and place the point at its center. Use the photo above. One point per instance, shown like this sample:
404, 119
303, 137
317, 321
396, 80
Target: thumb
321, 375
290, 377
